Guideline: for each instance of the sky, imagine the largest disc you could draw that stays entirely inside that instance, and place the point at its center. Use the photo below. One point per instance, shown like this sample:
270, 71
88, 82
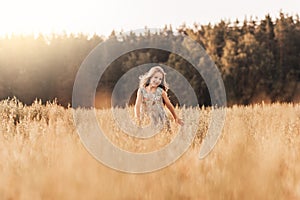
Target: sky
101, 17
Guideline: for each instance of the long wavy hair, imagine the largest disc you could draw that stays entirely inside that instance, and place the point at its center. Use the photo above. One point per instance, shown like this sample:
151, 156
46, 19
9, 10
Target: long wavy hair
145, 79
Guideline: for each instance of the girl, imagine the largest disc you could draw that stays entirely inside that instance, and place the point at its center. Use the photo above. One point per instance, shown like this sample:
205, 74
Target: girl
150, 96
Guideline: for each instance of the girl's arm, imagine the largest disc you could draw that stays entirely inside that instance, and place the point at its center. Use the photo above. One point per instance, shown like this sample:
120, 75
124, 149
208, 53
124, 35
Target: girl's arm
171, 108
137, 105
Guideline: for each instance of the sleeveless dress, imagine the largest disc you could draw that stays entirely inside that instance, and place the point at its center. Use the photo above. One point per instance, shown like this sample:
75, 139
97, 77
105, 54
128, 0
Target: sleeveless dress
152, 106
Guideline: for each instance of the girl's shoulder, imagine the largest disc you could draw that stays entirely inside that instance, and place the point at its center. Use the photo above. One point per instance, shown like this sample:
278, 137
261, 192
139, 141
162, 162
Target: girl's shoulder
142, 90
160, 90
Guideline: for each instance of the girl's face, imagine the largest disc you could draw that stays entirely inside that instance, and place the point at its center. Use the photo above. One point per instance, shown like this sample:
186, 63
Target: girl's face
156, 79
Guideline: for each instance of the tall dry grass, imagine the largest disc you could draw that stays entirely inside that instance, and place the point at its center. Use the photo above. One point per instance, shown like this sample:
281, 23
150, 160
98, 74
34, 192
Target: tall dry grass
257, 157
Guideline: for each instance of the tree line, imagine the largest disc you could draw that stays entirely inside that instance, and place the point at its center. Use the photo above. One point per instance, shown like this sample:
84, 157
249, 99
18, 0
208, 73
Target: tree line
258, 60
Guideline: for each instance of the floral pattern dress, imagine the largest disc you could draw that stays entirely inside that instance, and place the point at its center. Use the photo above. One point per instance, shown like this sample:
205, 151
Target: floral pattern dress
152, 106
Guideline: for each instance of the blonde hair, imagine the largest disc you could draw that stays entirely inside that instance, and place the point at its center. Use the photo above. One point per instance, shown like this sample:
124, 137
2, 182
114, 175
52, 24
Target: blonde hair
145, 79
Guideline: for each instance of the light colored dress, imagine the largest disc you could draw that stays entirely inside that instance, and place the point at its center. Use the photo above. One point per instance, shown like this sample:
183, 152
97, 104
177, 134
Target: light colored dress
153, 107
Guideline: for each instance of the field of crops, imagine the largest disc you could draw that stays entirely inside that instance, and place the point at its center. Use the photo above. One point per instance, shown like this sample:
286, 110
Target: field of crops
256, 157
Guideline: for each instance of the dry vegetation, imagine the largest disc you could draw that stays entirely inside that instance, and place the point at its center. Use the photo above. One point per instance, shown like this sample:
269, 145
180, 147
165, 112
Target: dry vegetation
257, 157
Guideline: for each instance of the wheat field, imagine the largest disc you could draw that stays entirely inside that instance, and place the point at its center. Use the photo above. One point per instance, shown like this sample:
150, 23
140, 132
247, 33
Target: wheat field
256, 157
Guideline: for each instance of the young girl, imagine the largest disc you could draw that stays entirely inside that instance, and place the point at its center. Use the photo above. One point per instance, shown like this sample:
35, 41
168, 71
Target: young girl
150, 96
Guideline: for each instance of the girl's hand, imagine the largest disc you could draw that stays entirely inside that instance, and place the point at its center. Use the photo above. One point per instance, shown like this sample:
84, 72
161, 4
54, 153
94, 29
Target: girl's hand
179, 121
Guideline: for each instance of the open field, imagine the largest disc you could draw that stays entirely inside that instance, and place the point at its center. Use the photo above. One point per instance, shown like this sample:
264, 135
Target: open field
257, 157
